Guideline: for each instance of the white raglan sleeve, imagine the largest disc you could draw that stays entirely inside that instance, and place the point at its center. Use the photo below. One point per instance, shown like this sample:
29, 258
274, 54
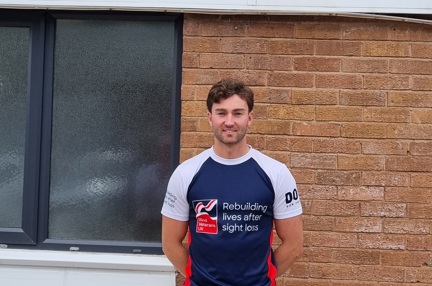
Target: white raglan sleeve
175, 204
287, 200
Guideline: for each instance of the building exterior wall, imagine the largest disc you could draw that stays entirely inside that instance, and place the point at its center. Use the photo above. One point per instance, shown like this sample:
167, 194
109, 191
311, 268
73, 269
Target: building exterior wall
347, 104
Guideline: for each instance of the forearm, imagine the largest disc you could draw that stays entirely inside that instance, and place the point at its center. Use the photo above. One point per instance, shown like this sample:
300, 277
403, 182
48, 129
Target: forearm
178, 256
290, 232
285, 256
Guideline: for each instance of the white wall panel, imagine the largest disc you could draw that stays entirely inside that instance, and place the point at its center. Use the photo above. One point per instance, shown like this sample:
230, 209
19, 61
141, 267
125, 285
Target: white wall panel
236, 6
58, 268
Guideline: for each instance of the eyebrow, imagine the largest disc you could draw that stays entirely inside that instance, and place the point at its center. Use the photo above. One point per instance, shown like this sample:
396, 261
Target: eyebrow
236, 109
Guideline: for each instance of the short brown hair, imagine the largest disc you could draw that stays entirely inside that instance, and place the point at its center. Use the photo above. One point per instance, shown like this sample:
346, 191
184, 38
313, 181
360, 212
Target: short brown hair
227, 88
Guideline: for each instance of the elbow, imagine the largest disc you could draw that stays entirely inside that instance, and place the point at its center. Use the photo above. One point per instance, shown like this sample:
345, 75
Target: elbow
299, 252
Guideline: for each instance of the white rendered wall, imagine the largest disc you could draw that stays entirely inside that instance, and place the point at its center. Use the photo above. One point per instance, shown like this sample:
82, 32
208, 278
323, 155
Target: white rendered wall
58, 268
234, 6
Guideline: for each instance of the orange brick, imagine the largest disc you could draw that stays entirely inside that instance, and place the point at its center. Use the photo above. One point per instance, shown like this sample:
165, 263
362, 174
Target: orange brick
225, 61
356, 257
375, 130
267, 62
291, 112
419, 242
408, 259
382, 241
318, 30
406, 226
392, 147
317, 64
360, 162
314, 96
421, 50
387, 114
338, 48
420, 148
279, 95
343, 81
290, 47
270, 30
385, 49
193, 109
419, 211
410, 99
409, 163
338, 178
386, 81
204, 45
281, 156
304, 176
421, 180
388, 179
331, 208
316, 129
381, 273
316, 161
365, 65
282, 143
381, 209
362, 98
408, 195
190, 60
243, 45
189, 124
321, 223
419, 275
337, 145
318, 192
226, 28
422, 116
333, 239
360, 193
314, 254
193, 76
333, 271
410, 33
360, 31
279, 79
271, 127
249, 77
358, 224
423, 83
409, 66
338, 113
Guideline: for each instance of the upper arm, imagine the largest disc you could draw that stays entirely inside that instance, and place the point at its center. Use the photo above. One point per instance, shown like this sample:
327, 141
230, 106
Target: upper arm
173, 231
290, 230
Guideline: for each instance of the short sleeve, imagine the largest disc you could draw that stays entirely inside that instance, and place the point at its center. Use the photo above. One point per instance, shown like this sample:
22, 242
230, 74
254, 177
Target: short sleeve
175, 204
287, 200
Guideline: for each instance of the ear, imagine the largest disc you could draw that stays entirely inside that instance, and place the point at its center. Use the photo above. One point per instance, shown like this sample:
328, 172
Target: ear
209, 115
250, 118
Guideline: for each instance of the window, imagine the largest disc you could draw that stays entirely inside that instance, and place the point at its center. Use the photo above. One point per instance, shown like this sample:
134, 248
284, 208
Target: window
89, 109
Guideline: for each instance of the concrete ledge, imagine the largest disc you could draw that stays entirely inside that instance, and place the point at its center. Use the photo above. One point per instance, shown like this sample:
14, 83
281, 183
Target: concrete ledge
65, 259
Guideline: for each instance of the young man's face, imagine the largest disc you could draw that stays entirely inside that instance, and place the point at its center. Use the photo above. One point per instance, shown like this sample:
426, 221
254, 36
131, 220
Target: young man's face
230, 120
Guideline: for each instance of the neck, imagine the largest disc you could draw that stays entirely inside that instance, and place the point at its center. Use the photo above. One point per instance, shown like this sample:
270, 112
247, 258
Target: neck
228, 151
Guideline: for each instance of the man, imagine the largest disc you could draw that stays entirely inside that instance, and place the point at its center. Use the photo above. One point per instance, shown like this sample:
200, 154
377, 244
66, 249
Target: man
228, 197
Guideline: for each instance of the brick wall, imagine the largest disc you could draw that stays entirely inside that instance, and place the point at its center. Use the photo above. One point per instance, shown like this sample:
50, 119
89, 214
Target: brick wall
347, 104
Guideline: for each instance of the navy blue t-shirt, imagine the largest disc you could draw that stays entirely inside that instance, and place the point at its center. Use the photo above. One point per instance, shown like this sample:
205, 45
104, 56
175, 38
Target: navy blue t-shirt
230, 205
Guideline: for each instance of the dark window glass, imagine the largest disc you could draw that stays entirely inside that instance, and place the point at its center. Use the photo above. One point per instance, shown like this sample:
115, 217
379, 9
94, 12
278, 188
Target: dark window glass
14, 57
111, 124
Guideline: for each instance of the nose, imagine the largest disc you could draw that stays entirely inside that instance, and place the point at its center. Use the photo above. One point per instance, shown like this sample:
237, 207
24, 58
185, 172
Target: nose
229, 120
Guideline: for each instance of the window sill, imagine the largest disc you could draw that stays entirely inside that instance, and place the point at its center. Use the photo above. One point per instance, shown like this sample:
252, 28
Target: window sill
107, 261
